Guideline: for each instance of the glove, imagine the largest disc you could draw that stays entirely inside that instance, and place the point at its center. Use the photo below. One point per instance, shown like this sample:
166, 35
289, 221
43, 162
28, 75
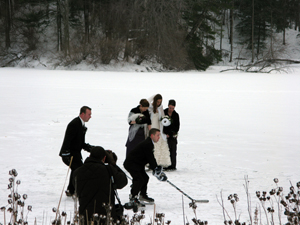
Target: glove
162, 177
159, 174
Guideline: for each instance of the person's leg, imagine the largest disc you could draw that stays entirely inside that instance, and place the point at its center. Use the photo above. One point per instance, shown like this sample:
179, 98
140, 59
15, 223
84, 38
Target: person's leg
137, 182
75, 164
145, 181
173, 151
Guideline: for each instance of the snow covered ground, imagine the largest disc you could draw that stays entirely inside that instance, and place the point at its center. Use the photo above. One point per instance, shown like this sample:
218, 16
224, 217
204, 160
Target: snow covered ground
232, 125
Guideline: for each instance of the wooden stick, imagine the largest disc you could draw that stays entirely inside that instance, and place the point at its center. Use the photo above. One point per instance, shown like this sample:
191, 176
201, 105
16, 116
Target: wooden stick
57, 211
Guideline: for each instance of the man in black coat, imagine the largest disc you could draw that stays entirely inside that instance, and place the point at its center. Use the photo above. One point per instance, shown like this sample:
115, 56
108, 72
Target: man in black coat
172, 132
93, 184
135, 164
74, 142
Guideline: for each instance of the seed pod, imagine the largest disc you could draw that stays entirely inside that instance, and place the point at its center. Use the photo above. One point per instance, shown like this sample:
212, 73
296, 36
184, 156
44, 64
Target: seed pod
276, 180
18, 182
10, 209
3, 208
25, 196
53, 209
14, 173
29, 208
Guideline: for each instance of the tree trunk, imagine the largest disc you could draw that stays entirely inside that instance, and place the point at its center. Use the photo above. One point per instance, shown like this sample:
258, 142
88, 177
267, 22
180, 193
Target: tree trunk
86, 21
284, 21
8, 18
252, 35
66, 29
231, 34
58, 22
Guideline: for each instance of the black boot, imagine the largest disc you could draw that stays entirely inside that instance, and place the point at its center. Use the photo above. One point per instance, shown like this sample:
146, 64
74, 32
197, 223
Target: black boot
146, 198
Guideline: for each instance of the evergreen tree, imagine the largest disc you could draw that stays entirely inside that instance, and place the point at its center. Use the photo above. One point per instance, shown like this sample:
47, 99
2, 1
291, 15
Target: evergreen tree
200, 17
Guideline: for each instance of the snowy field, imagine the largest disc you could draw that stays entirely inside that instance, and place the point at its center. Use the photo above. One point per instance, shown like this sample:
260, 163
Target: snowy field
232, 125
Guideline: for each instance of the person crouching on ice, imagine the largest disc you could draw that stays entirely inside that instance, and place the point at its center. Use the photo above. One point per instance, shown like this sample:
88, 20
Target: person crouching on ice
135, 164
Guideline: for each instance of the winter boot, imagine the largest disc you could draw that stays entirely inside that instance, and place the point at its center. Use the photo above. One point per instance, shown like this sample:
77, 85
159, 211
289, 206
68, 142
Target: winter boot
146, 198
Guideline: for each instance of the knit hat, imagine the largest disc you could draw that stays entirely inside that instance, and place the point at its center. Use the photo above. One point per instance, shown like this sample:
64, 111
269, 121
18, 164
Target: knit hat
98, 153
172, 102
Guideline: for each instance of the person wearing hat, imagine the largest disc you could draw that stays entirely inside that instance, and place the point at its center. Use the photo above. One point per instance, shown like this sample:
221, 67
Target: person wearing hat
93, 184
172, 132
74, 142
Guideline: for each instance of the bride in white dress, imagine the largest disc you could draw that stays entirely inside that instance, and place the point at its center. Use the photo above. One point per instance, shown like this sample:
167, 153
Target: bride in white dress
161, 148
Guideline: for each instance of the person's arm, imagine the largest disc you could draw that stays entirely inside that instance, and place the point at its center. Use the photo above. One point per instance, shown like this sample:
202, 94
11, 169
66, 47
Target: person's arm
120, 179
70, 135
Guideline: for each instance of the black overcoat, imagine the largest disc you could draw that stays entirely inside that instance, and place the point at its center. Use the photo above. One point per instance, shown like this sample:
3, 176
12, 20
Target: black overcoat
92, 182
74, 140
174, 126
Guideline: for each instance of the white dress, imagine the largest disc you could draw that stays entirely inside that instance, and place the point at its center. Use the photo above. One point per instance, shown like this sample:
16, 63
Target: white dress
161, 148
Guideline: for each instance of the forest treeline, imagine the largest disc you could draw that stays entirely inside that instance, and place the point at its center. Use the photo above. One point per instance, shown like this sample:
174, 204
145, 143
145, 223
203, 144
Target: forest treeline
177, 34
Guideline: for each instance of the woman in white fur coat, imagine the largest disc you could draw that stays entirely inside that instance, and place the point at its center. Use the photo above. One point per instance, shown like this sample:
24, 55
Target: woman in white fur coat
161, 148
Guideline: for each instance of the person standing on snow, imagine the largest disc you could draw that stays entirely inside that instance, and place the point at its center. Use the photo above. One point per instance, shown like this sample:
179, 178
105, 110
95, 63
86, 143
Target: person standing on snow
135, 163
161, 148
74, 142
172, 132
140, 123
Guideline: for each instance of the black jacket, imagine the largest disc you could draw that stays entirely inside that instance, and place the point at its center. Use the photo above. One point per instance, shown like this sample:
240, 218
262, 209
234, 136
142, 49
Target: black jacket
174, 126
141, 155
92, 182
74, 140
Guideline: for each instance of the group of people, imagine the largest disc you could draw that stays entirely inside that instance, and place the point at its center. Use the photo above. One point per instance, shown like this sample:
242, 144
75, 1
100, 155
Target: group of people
150, 114
95, 180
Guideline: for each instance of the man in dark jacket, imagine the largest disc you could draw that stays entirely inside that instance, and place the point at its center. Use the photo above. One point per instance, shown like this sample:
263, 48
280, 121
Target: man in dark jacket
93, 184
74, 142
135, 164
172, 132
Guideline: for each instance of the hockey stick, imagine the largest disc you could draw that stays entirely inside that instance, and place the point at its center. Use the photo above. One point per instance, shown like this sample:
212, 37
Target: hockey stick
194, 200
200, 201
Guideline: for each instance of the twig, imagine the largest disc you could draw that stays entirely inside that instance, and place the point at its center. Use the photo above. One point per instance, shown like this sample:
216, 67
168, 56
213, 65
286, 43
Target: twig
248, 198
222, 205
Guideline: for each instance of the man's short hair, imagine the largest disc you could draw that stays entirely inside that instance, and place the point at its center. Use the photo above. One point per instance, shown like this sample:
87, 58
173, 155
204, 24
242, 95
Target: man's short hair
172, 102
153, 131
83, 109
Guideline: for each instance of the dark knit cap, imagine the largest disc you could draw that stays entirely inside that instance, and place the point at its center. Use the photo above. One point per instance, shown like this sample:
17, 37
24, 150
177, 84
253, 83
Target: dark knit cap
172, 102
98, 153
